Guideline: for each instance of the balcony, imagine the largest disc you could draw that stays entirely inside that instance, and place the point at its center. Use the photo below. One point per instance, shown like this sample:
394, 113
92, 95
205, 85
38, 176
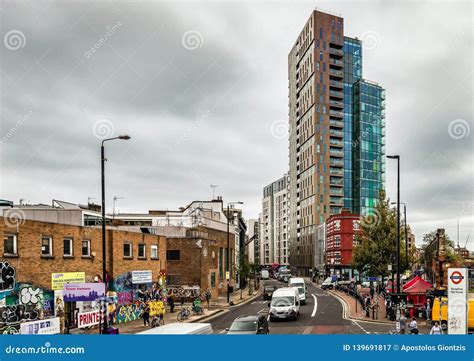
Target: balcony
336, 104
336, 201
336, 133
336, 84
335, 113
337, 73
336, 143
336, 123
336, 172
336, 162
336, 94
336, 62
338, 52
336, 191
336, 153
338, 182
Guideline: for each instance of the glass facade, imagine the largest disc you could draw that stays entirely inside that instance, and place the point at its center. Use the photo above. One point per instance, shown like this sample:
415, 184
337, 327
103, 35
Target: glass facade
352, 73
368, 145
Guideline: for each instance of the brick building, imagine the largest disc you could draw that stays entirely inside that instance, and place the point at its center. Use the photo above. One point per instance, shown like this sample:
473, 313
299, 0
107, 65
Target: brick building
340, 240
37, 249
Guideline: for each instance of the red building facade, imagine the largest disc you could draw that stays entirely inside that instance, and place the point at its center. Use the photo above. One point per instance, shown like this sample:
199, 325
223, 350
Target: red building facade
340, 240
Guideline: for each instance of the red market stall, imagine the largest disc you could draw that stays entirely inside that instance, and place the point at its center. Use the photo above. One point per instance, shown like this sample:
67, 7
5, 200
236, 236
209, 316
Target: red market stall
416, 293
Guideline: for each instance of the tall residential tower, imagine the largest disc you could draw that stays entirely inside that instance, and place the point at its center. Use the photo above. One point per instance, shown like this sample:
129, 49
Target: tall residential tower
336, 123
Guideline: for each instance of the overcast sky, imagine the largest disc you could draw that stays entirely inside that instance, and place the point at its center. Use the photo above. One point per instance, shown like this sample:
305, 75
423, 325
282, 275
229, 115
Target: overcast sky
202, 90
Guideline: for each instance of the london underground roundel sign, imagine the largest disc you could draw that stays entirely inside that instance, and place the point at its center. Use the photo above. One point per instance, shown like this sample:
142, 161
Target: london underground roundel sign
456, 277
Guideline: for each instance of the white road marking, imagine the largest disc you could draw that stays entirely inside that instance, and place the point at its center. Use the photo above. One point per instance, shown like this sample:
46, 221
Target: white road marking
315, 305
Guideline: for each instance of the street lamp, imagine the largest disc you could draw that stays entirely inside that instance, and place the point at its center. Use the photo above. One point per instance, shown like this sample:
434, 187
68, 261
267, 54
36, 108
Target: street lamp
397, 157
406, 232
228, 247
102, 174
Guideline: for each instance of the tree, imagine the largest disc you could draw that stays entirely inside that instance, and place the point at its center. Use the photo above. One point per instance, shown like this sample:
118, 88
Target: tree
377, 241
428, 253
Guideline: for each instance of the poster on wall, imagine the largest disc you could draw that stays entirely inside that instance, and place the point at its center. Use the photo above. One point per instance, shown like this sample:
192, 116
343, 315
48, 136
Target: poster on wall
457, 301
58, 280
139, 277
74, 292
86, 319
50, 326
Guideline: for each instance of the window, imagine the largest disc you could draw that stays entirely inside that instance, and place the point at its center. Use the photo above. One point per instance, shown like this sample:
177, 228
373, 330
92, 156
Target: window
141, 250
173, 255
67, 247
10, 244
154, 251
46, 246
86, 248
213, 279
127, 250
172, 280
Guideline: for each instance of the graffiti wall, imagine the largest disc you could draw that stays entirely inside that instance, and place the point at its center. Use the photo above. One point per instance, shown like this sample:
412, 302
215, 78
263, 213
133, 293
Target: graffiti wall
7, 277
13, 329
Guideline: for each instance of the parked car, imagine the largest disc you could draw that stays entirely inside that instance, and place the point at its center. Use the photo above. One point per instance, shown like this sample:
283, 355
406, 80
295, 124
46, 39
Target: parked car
268, 292
285, 304
328, 284
249, 325
300, 285
265, 274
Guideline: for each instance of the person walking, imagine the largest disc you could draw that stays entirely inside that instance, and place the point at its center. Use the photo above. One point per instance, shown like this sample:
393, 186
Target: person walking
372, 291
171, 302
428, 309
403, 323
146, 315
414, 326
436, 329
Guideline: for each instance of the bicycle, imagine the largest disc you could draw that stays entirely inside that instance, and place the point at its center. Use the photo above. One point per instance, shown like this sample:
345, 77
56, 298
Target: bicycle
183, 314
157, 320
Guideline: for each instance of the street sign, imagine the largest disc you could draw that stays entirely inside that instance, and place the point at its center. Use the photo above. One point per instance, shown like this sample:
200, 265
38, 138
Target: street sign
457, 301
372, 279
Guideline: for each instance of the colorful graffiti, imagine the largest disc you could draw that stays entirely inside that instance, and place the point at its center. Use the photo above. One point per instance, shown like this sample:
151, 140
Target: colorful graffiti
124, 297
12, 314
129, 312
7, 277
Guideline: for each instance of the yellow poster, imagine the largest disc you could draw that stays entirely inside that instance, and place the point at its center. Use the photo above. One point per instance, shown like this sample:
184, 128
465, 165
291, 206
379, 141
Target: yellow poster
59, 279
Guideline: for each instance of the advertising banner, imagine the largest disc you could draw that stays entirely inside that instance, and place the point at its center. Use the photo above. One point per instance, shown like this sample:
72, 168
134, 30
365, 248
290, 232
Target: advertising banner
48, 326
58, 280
457, 301
74, 292
141, 277
86, 319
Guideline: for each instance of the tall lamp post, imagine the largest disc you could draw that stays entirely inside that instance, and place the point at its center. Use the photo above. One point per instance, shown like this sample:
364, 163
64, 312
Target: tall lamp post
406, 232
228, 247
102, 176
397, 157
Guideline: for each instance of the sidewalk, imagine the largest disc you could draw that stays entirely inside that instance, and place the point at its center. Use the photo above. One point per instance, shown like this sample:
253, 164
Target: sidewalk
216, 307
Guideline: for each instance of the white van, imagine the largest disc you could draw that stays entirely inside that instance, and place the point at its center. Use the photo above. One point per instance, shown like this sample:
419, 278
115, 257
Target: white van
328, 284
195, 328
285, 304
300, 285
265, 274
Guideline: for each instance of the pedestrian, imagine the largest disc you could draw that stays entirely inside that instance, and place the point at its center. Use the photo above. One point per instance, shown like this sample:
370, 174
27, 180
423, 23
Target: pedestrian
428, 309
403, 323
436, 329
372, 291
413, 326
367, 306
208, 298
388, 307
146, 315
171, 302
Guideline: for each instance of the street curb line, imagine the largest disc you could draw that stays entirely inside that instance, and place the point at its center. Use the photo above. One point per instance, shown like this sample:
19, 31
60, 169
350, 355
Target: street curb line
210, 317
246, 301
346, 306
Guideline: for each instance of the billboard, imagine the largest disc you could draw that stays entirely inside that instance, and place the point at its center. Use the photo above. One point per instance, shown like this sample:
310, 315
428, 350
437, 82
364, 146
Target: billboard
48, 326
457, 301
58, 280
141, 277
86, 319
74, 292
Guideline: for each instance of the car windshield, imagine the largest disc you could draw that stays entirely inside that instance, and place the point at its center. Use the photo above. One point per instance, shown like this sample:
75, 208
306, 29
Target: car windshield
244, 326
268, 289
283, 301
301, 290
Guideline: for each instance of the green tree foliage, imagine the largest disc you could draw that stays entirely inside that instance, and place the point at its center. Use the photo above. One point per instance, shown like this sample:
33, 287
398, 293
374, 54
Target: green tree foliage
377, 241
